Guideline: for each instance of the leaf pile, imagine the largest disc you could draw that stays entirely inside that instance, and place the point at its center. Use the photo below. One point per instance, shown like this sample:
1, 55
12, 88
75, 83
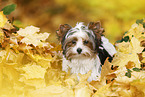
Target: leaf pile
31, 67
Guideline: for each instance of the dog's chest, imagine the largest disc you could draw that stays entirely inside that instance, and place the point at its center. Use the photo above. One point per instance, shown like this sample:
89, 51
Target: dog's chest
82, 66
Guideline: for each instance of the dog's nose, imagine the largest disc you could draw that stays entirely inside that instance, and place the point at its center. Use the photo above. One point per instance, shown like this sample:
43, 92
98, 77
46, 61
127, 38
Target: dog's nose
79, 50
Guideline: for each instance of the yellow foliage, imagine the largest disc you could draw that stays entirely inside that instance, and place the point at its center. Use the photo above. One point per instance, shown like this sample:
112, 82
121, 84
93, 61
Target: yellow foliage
105, 91
31, 37
33, 71
52, 91
31, 67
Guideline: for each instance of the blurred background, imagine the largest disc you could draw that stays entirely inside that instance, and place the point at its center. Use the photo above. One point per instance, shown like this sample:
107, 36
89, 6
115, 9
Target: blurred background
116, 16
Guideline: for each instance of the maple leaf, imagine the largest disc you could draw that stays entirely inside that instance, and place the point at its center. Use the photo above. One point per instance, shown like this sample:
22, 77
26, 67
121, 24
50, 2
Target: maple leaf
31, 37
105, 91
83, 88
52, 91
139, 83
136, 31
42, 61
33, 71
136, 48
30, 30
106, 69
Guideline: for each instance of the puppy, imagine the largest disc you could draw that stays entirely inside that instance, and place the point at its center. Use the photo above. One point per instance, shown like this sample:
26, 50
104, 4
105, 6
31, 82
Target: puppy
84, 48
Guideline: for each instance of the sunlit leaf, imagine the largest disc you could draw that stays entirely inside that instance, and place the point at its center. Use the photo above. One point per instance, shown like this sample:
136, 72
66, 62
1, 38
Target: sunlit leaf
33, 71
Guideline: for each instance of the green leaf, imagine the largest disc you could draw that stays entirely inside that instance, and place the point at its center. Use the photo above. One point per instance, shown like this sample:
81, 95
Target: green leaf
136, 69
118, 41
143, 25
129, 70
139, 21
128, 74
125, 32
8, 9
16, 27
126, 38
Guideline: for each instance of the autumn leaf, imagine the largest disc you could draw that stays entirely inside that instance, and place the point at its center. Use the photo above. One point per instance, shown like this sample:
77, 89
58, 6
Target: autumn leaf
106, 69
136, 45
3, 19
105, 91
52, 91
31, 37
33, 71
139, 84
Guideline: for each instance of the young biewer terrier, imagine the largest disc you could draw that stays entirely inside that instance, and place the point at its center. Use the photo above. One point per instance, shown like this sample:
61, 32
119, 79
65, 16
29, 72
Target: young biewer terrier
84, 48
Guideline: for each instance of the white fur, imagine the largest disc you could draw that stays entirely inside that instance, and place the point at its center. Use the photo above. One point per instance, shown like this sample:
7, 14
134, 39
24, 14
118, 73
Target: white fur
108, 46
79, 25
83, 66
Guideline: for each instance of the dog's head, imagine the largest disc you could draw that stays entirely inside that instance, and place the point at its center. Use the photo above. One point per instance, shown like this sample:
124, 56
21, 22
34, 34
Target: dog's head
81, 41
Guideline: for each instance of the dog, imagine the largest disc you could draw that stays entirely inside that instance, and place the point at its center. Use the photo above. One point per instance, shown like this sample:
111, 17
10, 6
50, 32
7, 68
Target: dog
84, 48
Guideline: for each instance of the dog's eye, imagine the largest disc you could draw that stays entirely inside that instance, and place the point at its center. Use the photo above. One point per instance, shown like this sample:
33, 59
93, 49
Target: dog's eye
73, 41
86, 42
83, 27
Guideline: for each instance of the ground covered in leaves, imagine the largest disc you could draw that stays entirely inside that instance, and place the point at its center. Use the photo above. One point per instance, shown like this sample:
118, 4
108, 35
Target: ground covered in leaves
31, 67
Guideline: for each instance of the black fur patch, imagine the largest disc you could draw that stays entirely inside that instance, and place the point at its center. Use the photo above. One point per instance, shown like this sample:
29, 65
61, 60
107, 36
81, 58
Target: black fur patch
103, 54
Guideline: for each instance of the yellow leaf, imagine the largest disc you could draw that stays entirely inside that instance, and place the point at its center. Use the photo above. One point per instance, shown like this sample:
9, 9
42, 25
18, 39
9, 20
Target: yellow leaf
83, 91
29, 30
122, 60
33, 71
131, 92
34, 40
130, 47
105, 91
71, 81
138, 75
139, 83
8, 26
31, 37
124, 47
83, 88
37, 83
135, 31
136, 45
52, 91
120, 72
2, 53
106, 69
11, 73
124, 79
42, 61
1, 34
143, 61
143, 54
1, 74
3, 19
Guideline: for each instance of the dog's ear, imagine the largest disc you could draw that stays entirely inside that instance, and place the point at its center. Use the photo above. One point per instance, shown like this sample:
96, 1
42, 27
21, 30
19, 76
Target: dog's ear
96, 27
61, 32
98, 31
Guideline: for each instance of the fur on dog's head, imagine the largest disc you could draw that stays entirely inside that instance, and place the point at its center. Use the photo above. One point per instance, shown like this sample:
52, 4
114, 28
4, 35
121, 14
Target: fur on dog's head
81, 41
